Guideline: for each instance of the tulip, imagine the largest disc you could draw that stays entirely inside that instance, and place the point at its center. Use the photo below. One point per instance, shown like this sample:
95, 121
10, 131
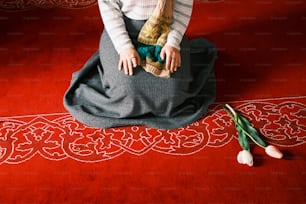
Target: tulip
245, 157
272, 151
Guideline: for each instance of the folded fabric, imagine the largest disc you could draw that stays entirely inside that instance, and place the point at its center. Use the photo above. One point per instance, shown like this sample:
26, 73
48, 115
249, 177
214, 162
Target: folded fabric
153, 37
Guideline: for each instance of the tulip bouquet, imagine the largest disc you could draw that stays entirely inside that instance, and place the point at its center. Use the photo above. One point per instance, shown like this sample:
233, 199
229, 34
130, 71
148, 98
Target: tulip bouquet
247, 132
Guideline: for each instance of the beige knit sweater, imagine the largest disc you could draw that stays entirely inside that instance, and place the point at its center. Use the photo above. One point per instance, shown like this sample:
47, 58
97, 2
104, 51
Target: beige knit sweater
113, 10
153, 36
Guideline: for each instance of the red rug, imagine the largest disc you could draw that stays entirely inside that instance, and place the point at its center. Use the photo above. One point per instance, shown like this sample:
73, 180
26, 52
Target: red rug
48, 157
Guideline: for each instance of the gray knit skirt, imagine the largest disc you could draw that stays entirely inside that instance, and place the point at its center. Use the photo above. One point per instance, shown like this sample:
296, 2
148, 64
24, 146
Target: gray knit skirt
102, 96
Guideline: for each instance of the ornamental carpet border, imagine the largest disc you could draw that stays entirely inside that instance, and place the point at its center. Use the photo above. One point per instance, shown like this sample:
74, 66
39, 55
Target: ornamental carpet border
58, 136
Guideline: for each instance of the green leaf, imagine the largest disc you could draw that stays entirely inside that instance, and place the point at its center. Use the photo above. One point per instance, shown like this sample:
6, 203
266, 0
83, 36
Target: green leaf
243, 139
250, 130
245, 129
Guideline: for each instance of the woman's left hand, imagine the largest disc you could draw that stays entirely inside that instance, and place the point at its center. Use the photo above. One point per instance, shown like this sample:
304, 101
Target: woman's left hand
172, 56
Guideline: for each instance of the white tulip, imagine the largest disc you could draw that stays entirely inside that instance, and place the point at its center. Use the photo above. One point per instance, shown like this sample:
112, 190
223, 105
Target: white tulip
245, 157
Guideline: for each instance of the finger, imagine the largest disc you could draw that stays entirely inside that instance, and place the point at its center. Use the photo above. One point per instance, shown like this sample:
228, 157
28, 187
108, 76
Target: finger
130, 71
120, 65
176, 66
162, 54
138, 60
125, 65
179, 61
168, 61
130, 66
134, 62
173, 64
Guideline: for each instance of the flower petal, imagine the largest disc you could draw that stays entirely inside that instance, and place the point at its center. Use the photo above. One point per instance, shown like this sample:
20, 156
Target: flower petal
245, 157
272, 151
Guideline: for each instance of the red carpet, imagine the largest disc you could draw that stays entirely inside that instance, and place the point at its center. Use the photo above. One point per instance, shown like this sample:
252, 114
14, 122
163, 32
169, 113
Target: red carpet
47, 157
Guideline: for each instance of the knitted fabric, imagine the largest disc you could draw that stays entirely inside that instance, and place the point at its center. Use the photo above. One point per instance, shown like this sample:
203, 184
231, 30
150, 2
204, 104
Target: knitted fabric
153, 37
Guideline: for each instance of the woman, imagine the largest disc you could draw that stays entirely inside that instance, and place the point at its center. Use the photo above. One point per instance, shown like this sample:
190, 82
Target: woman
146, 72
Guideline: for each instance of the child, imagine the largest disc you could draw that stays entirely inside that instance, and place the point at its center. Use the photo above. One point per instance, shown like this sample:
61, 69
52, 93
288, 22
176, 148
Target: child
146, 72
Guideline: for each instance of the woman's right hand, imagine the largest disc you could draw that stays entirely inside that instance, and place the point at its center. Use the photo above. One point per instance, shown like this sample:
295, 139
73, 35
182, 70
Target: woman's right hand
129, 59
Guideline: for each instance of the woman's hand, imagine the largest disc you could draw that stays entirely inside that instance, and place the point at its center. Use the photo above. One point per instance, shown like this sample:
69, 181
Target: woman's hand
129, 59
172, 56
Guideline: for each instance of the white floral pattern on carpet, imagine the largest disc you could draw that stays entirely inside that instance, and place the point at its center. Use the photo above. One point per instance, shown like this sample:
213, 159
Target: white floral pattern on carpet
58, 136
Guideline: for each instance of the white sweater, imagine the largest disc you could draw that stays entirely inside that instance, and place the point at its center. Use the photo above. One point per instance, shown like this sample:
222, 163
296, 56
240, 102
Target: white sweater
112, 12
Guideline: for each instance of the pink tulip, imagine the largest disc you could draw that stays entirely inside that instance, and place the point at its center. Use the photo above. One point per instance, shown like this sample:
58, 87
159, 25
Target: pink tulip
272, 151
